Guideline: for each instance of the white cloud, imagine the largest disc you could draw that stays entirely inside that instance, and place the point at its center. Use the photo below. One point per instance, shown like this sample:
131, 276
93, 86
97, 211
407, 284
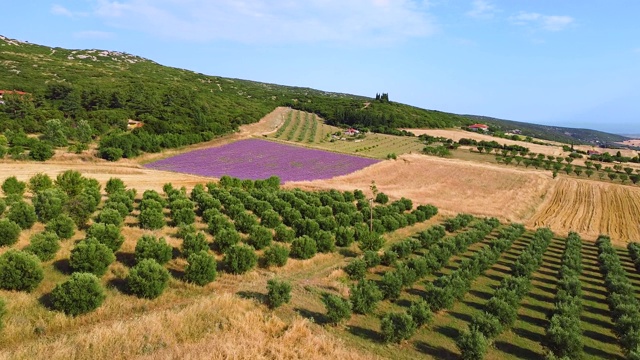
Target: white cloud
93, 34
544, 22
482, 9
282, 21
61, 10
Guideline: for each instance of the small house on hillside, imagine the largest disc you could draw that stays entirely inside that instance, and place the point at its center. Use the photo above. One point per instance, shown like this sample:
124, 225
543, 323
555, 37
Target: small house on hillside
133, 124
351, 132
478, 127
10, 92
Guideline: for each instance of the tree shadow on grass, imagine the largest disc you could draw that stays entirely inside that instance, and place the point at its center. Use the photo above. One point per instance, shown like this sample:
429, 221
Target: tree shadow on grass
528, 334
347, 252
542, 298
594, 310
517, 351
550, 274
176, 274
537, 308
600, 354
545, 281
314, 316
437, 352
120, 285
253, 295
596, 322
63, 266
461, 316
363, 333
448, 331
46, 301
481, 294
602, 298
474, 305
128, 259
598, 336
416, 292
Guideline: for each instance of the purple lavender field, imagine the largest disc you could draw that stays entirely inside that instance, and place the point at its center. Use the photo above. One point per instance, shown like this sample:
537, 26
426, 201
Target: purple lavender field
259, 159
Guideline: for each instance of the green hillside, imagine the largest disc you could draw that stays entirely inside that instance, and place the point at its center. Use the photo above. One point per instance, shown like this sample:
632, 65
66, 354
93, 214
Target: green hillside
178, 107
553, 133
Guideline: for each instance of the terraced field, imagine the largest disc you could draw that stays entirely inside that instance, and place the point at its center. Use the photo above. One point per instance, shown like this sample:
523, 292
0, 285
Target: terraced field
308, 130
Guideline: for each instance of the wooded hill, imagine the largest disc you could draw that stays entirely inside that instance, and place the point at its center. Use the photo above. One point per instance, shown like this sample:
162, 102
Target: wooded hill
178, 107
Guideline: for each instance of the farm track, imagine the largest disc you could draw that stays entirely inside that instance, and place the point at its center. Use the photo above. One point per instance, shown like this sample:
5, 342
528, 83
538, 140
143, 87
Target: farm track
591, 208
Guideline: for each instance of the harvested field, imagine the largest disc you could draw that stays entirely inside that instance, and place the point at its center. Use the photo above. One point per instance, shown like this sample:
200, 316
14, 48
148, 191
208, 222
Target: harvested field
459, 134
591, 208
451, 185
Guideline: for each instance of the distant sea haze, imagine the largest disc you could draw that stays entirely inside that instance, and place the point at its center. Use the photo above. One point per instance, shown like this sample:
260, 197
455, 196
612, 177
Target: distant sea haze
633, 136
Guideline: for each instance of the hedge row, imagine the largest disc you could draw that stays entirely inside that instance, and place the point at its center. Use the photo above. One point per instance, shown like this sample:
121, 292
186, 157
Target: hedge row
502, 309
624, 306
564, 333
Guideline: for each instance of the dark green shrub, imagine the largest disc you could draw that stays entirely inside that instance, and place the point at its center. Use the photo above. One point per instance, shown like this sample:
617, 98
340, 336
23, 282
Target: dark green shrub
259, 237
111, 153
49, 203
396, 327
151, 218
325, 242
356, 269
370, 241
194, 243
20, 271
151, 204
39, 182
270, 219
364, 296
110, 216
371, 258
391, 285
91, 256
114, 185
389, 258
201, 269
107, 234
420, 312
22, 214
40, 151
81, 294
284, 233
62, 225
303, 247
382, 198
472, 344
13, 186
225, 239
44, 245
245, 222
80, 207
275, 255
151, 247
240, 258
185, 230
9, 232
338, 308
278, 293
487, 324
183, 216
148, 279
71, 182
3, 206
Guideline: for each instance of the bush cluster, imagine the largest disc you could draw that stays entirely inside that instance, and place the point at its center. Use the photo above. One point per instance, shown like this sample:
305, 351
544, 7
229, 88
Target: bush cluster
634, 253
202, 268
151, 247
148, 279
20, 271
92, 256
81, 294
278, 293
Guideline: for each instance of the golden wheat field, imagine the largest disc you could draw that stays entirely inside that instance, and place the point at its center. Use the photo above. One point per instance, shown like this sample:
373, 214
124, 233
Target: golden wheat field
591, 208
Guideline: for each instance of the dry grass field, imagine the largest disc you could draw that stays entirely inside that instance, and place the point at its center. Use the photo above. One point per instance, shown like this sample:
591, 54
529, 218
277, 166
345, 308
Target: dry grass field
452, 185
591, 208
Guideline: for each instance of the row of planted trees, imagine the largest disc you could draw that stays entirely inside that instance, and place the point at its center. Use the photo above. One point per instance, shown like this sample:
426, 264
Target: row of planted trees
621, 296
501, 309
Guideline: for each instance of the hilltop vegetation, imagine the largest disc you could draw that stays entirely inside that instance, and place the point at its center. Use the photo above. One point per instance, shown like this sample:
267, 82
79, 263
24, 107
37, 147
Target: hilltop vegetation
552, 133
177, 107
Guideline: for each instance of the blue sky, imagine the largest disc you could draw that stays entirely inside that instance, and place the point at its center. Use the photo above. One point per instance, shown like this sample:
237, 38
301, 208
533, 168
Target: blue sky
558, 62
